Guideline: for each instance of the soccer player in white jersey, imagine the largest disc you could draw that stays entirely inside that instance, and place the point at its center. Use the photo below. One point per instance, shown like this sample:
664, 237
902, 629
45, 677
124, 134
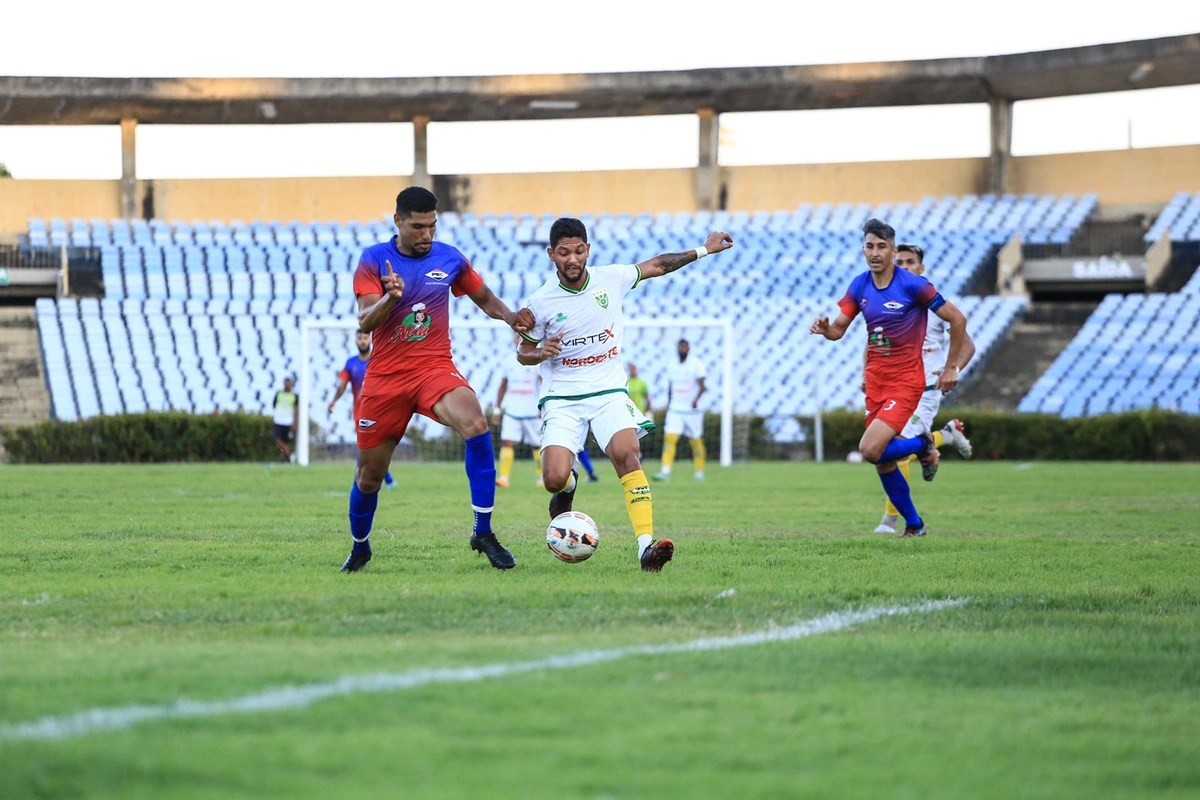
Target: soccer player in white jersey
517, 411
684, 415
910, 257
577, 338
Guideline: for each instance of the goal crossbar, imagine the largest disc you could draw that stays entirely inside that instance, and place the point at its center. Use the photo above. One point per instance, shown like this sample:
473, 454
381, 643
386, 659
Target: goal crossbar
310, 325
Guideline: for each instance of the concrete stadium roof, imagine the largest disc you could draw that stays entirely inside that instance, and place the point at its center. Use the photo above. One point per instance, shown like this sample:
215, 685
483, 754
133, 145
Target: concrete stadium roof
1143, 64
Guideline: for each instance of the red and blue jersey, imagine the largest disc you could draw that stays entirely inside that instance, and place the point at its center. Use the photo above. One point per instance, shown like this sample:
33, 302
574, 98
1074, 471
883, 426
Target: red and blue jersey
896, 318
354, 373
417, 334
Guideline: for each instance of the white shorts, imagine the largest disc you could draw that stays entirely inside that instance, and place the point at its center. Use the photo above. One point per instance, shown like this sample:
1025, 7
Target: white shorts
922, 419
685, 423
520, 429
565, 422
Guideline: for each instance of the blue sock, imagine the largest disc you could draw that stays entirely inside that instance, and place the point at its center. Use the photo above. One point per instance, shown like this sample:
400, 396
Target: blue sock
586, 460
481, 473
362, 514
902, 448
897, 491
388, 479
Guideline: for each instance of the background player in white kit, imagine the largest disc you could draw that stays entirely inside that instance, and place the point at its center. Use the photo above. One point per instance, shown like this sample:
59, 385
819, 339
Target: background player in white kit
912, 258
577, 338
684, 415
517, 411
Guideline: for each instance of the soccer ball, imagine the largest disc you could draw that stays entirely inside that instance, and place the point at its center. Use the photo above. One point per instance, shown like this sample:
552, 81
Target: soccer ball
572, 537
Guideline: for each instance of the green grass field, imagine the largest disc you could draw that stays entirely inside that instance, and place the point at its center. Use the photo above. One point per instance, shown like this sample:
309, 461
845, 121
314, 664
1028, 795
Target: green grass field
1072, 670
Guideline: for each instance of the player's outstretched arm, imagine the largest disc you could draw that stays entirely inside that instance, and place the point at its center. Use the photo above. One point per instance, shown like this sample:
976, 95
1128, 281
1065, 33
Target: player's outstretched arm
341, 390
669, 262
374, 309
520, 321
530, 354
498, 409
830, 330
958, 356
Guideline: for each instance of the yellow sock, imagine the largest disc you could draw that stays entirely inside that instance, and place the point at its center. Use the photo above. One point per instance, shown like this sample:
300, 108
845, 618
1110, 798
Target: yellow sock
638, 502
891, 509
506, 461
939, 439
698, 454
537, 460
672, 441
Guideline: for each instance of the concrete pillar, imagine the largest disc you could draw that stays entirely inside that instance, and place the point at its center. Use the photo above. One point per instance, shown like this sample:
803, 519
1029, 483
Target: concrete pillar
421, 152
1001, 111
129, 185
708, 176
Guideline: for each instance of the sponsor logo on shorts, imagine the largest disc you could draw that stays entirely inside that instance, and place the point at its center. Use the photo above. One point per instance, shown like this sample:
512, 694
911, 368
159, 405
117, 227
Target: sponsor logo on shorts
437, 275
588, 361
365, 423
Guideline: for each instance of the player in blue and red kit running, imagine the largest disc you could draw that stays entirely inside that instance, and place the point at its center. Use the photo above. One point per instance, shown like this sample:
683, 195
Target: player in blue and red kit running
403, 288
353, 374
895, 305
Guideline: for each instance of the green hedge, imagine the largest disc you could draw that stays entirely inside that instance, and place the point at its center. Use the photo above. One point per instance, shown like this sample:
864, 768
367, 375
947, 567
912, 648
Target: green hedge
1132, 436
157, 437
153, 437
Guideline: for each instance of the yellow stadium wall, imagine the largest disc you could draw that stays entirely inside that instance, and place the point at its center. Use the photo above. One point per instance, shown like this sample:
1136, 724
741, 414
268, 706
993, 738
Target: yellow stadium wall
1121, 177
787, 186
20, 200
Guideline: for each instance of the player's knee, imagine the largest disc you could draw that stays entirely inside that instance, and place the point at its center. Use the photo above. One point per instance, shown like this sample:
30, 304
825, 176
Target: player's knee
473, 427
369, 480
627, 462
871, 451
369, 484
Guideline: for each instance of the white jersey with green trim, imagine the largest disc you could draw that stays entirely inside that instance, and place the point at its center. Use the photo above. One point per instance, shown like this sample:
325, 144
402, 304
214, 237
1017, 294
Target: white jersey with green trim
685, 377
521, 393
935, 347
592, 326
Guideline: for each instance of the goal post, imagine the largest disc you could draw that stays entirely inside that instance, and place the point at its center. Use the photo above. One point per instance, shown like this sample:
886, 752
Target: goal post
491, 355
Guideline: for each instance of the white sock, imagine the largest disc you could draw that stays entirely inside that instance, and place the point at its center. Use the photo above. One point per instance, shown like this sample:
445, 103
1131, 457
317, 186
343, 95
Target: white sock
643, 542
572, 482
666, 470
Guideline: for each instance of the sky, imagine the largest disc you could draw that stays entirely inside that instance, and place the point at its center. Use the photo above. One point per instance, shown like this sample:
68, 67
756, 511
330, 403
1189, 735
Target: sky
130, 38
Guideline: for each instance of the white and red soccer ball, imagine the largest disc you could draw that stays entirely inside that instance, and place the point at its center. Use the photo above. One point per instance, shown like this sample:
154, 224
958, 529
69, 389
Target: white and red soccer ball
572, 537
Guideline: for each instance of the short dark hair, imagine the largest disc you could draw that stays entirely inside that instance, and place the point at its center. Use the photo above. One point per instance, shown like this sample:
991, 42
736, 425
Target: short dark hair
880, 229
914, 249
360, 330
567, 228
415, 200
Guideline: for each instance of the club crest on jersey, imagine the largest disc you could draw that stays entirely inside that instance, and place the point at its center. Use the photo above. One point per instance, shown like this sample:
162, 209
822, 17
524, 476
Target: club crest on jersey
437, 275
601, 298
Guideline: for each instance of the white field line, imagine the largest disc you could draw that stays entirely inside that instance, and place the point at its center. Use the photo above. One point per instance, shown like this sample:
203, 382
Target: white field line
95, 720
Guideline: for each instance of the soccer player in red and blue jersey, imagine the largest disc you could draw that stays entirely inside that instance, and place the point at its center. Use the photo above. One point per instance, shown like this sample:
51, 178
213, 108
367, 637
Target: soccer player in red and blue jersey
403, 288
895, 305
353, 374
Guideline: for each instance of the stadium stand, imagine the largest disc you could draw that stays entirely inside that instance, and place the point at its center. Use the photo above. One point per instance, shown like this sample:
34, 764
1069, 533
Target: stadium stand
1135, 351
1182, 216
205, 316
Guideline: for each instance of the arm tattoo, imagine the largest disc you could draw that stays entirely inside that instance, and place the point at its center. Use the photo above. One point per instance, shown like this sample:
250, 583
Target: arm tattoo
669, 262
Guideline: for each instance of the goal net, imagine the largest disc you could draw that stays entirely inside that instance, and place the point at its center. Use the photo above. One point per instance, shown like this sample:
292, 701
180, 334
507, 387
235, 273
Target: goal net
484, 350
